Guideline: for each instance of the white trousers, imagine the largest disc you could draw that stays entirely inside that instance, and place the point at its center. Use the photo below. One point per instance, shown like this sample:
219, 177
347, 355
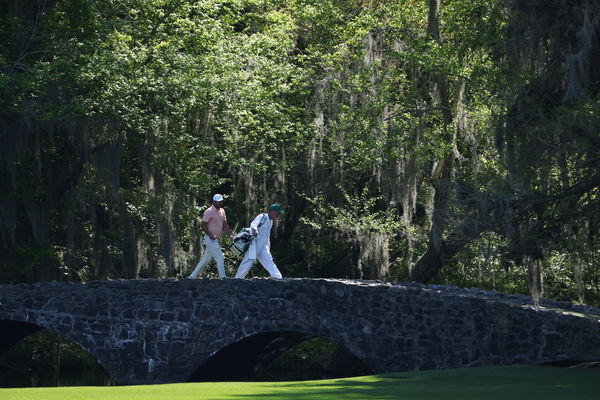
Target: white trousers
265, 258
212, 249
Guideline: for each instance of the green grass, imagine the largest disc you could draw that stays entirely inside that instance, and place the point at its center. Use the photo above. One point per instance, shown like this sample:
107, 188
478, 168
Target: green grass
487, 383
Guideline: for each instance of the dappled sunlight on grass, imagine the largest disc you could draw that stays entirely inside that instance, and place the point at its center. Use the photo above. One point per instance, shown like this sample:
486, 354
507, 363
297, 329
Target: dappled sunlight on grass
489, 383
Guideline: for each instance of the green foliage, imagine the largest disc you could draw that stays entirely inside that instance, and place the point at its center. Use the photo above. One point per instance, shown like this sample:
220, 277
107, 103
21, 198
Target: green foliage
357, 215
483, 264
315, 358
132, 113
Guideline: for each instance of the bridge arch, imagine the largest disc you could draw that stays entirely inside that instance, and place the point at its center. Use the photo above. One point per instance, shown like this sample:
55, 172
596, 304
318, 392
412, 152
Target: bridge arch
15, 332
18, 328
243, 357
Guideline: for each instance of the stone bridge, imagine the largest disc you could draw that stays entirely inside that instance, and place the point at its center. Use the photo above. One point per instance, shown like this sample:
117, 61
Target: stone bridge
156, 331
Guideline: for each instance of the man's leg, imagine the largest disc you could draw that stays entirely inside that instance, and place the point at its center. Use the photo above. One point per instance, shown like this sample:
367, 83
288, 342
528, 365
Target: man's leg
206, 257
244, 267
220, 259
266, 259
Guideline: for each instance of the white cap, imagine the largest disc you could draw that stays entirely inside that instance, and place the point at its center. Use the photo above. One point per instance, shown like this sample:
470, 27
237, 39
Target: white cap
218, 197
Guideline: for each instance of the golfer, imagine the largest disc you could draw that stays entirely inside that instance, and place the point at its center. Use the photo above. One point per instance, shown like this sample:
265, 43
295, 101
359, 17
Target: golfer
260, 247
214, 222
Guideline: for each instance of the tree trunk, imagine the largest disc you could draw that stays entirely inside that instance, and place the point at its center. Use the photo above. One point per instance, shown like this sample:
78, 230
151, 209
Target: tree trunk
535, 280
432, 261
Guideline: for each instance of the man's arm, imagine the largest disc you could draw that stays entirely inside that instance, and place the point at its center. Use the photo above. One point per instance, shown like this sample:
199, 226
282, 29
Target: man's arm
227, 229
254, 225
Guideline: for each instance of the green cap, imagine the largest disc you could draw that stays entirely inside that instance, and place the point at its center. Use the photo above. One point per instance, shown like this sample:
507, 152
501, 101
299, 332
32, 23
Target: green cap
276, 207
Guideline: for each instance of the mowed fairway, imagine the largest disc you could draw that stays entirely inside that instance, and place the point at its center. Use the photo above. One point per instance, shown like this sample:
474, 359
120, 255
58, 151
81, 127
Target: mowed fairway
512, 383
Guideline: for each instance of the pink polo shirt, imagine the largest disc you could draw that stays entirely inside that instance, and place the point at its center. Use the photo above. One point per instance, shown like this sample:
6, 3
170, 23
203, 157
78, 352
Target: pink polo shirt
214, 220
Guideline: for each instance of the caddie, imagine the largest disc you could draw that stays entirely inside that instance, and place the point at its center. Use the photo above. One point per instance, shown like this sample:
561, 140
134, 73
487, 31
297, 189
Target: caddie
214, 222
260, 247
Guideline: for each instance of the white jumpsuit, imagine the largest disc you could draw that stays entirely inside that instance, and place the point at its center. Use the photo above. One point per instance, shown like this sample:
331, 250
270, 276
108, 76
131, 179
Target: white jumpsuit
212, 250
259, 249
